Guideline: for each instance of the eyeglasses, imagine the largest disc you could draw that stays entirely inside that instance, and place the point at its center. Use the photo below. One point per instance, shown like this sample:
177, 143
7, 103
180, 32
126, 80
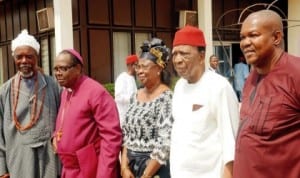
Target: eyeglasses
63, 68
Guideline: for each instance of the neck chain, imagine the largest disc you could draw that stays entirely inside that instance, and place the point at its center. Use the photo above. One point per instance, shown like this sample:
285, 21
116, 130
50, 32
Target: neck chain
59, 133
34, 116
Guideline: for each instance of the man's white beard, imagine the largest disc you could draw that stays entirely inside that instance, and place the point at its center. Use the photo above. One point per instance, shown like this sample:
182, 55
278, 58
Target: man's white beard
26, 75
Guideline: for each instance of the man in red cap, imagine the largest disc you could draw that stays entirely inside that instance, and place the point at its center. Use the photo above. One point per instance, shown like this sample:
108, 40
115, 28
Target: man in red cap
125, 86
205, 111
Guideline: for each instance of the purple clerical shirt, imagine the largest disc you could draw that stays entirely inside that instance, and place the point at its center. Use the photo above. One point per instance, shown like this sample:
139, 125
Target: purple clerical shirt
87, 114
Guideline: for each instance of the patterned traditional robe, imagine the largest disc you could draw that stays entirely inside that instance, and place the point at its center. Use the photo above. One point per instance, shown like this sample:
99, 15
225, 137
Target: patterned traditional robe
28, 154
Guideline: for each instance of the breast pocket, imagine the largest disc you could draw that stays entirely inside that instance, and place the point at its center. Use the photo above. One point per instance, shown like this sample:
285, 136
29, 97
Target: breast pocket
200, 120
268, 110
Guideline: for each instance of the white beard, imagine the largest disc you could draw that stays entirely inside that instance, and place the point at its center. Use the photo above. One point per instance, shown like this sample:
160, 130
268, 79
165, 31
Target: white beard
26, 75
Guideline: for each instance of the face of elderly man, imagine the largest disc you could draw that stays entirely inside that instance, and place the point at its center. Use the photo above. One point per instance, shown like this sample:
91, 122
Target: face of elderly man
188, 62
25, 58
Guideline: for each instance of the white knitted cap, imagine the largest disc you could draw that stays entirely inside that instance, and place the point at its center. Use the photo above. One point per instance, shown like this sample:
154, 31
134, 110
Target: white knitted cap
23, 39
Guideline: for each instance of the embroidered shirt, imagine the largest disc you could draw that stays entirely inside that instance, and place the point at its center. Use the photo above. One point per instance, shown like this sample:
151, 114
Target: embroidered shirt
268, 140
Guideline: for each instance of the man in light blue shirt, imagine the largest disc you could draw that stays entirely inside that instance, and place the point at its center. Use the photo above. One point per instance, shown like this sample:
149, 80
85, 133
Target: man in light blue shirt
241, 72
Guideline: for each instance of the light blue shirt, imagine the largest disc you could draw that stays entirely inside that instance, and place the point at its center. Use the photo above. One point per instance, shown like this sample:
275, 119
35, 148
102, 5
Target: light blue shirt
241, 72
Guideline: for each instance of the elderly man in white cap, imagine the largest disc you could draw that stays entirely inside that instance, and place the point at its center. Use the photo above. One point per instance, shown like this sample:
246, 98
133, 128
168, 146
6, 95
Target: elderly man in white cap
29, 103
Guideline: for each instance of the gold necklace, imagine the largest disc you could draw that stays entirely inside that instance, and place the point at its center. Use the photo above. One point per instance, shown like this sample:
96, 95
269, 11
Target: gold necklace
15, 90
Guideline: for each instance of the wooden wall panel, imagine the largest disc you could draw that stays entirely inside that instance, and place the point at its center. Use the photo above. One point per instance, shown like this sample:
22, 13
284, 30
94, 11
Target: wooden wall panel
194, 5
93, 22
98, 11
16, 20
231, 18
163, 13
75, 12
100, 56
9, 23
143, 13
77, 45
166, 37
49, 3
10, 61
5, 62
217, 8
24, 17
32, 17
84, 40
2, 24
122, 12
76, 39
182, 5
40, 5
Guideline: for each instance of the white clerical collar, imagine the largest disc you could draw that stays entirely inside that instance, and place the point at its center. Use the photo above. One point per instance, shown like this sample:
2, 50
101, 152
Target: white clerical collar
69, 90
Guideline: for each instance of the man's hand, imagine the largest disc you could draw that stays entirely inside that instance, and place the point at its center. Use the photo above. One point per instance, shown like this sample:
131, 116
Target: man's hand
5, 176
54, 145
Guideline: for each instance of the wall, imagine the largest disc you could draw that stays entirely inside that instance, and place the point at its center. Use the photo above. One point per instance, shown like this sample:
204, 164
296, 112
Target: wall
294, 27
99, 24
16, 15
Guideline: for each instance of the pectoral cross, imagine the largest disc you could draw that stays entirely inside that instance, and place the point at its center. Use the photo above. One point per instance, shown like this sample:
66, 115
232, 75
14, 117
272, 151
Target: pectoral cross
59, 135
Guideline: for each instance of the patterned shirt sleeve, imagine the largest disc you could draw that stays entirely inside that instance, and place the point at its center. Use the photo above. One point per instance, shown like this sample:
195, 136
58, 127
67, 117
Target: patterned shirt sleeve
164, 124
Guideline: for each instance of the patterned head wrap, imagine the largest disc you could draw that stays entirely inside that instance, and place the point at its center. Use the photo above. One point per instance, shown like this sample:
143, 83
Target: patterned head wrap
156, 51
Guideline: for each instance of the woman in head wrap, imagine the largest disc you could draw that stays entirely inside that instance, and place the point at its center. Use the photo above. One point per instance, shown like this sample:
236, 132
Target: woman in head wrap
148, 121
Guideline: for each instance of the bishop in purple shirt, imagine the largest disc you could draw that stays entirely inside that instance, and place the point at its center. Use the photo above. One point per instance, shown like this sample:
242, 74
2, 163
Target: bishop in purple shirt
87, 137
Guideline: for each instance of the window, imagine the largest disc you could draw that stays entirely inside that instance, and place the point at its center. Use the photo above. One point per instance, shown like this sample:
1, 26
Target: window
224, 54
139, 39
52, 51
47, 52
1, 67
122, 48
45, 56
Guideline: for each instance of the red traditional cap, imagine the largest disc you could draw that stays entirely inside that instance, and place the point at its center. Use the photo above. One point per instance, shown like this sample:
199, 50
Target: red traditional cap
131, 59
76, 54
189, 35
